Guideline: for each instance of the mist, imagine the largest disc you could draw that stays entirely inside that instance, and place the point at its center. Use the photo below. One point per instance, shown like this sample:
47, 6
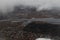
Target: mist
8, 5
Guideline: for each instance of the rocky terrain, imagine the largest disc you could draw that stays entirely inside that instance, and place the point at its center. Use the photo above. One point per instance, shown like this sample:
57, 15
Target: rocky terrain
37, 29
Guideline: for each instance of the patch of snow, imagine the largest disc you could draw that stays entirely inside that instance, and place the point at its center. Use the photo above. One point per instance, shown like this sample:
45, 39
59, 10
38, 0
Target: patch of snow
43, 39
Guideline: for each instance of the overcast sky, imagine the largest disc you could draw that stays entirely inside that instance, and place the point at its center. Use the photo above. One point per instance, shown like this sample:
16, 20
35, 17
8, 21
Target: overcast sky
8, 5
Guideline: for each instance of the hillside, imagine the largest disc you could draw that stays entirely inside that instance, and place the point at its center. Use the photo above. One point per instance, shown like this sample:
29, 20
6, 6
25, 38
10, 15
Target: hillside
16, 30
30, 12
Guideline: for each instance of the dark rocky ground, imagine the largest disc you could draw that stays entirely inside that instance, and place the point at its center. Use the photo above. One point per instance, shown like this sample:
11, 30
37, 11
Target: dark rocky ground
16, 31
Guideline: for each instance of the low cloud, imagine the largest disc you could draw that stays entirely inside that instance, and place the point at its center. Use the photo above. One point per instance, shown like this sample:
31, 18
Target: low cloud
8, 5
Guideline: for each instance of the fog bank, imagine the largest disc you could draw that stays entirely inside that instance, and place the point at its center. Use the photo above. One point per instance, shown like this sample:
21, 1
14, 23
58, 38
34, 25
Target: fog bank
8, 5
